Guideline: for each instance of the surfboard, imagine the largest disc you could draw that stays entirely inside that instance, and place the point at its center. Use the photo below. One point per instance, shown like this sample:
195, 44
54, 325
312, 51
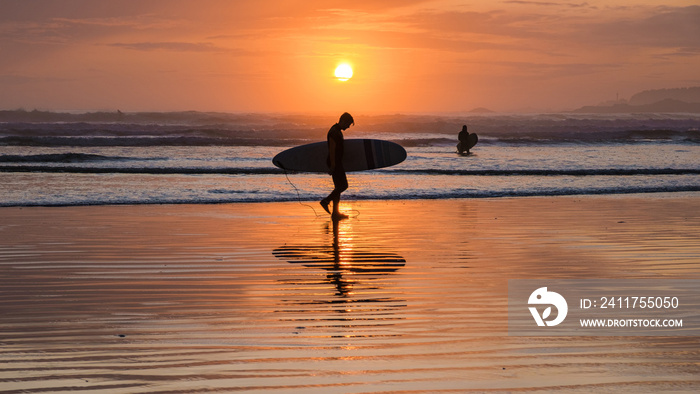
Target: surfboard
360, 155
472, 139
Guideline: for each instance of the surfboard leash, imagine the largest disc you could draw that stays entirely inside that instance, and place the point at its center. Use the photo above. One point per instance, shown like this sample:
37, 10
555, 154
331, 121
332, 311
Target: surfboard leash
298, 194
286, 175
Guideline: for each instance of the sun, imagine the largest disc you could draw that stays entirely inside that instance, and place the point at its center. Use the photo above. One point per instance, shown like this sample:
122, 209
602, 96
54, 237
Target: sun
343, 72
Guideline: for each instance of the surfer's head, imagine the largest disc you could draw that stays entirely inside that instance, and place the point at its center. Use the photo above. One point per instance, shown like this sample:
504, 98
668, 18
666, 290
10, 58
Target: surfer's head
346, 120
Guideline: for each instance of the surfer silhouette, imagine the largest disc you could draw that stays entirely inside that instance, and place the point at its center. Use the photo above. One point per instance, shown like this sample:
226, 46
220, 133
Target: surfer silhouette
463, 135
466, 141
336, 150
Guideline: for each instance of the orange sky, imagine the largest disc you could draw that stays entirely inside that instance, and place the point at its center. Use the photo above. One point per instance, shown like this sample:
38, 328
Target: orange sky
277, 55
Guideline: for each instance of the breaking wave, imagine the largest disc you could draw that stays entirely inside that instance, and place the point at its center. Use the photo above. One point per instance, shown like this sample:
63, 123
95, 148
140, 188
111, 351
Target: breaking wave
207, 129
70, 157
273, 170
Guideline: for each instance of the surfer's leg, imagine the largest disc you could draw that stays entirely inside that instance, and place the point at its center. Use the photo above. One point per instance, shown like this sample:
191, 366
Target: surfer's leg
340, 184
336, 215
340, 181
324, 204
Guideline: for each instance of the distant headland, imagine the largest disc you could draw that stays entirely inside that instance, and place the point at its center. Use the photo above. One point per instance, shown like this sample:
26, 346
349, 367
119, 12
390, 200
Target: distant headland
678, 100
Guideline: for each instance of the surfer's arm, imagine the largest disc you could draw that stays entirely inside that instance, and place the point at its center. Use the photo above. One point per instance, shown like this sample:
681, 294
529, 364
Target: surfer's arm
331, 152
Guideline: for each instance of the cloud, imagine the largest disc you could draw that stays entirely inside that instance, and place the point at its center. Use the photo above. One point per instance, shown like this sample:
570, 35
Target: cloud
684, 52
545, 71
171, 46
8, 79
549, 4
72, 31
557, 32
667, 27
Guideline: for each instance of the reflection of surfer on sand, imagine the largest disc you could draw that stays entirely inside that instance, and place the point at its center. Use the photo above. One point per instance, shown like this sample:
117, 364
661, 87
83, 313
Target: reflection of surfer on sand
466, 141
336, 149
335, 275
346, 262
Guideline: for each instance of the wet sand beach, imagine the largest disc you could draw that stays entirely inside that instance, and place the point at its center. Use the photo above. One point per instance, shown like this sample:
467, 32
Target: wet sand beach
405, 296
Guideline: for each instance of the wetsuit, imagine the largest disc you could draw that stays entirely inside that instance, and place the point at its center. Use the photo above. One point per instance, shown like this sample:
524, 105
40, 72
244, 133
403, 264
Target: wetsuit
340, 181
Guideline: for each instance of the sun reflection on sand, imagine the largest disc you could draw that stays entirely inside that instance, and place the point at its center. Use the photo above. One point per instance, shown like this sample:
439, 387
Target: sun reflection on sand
351, 291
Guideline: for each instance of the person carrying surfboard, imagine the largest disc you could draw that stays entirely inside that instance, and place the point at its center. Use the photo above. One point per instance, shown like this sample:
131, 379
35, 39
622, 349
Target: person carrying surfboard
463, 135
466, 141
336, 150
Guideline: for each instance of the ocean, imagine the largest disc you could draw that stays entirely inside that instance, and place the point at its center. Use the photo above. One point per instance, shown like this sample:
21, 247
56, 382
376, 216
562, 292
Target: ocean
63, 159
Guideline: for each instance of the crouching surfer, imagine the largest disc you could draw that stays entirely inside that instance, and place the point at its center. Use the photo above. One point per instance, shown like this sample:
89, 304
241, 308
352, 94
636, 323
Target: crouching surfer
466, 141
